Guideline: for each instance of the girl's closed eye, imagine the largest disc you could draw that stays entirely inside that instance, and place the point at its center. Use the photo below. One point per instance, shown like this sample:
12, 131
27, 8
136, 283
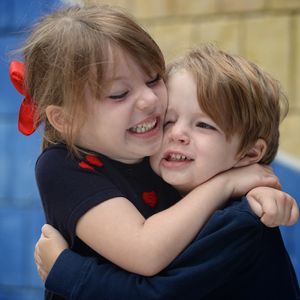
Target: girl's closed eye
118, 96
154, 81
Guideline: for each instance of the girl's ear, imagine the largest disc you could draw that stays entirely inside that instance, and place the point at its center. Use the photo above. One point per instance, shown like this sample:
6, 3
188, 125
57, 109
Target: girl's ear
253, 155
55, 116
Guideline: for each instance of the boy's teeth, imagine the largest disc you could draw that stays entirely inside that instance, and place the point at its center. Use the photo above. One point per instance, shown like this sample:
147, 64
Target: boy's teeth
178, 157
143, 127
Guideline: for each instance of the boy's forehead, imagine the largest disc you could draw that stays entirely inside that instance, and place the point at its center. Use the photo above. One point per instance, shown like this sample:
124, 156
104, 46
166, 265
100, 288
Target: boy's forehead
181, 82
182, 94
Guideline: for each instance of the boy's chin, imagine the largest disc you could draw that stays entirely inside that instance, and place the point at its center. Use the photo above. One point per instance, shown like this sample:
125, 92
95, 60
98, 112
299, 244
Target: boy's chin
183, 188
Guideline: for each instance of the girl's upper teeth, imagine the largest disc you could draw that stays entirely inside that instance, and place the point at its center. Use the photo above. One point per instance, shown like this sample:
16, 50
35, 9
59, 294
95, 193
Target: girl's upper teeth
143, 127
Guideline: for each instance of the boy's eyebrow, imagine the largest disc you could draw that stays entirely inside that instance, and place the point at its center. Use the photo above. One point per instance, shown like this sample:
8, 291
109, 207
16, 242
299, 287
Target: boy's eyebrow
201, 114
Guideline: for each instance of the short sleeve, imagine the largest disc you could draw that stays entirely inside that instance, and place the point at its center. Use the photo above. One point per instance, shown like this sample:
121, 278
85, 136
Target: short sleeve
69, 188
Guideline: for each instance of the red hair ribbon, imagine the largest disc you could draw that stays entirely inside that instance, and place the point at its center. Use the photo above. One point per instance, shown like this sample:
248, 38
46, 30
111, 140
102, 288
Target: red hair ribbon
26, 123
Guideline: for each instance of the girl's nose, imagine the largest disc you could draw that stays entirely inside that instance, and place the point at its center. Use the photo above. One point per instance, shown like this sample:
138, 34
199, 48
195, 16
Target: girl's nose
147, 100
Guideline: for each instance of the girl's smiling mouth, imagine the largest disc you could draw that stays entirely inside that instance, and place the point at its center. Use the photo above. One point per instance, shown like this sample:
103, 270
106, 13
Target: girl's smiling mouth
150, 125
143, 127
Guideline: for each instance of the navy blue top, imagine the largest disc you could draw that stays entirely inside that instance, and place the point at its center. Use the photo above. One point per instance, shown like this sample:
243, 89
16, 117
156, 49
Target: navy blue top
70, 186
234, 257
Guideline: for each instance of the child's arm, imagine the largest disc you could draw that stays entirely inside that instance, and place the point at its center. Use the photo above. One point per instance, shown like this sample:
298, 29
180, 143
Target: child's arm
273, 206
117, 231
97, 278
279, 209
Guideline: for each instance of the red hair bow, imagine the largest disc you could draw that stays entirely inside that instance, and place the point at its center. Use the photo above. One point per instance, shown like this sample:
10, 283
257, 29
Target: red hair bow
26, 122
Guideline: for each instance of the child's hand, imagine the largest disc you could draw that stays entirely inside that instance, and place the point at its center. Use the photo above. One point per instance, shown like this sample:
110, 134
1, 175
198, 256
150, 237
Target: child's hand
241, 180
47, 249
274, 207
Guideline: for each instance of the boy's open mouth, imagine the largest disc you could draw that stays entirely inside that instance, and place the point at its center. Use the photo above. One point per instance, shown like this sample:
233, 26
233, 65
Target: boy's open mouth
177, 157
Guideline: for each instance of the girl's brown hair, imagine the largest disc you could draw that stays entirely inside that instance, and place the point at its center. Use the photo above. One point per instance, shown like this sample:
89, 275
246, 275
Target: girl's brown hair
237, 95
70, 49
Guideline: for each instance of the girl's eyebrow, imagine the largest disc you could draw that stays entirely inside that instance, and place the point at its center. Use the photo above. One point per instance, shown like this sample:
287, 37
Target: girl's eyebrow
113, 79
118, 77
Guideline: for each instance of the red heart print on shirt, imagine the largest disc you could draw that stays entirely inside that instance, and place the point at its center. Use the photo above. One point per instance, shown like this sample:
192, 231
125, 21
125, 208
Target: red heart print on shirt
150, 198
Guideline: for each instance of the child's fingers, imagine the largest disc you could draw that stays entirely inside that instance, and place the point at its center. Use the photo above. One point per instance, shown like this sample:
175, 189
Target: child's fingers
289, 210
277, 184
255, 206
284, 207
38, 261
42, 273
282, 210
287, 202
294, 217
49, 231
268, 211
37, 258
274, 207
271, 214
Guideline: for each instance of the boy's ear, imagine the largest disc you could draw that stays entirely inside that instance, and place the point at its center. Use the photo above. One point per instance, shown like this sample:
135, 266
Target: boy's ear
253, 155
55, 116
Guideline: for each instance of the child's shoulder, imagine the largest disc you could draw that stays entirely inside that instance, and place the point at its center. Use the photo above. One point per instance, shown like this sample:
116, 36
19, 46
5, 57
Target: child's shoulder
54, 155
240, 207
56, 161
239, 213
236, 217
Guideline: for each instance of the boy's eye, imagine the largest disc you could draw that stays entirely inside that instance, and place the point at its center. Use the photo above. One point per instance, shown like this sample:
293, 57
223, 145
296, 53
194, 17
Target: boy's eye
153, 81
205, 126
118, 96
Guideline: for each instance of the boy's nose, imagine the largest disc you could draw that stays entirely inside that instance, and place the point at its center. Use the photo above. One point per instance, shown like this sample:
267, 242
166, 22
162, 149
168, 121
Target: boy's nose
179, 135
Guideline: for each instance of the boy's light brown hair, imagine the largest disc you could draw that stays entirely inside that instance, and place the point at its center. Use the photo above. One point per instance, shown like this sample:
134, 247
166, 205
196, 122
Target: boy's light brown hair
237, 95
70, 50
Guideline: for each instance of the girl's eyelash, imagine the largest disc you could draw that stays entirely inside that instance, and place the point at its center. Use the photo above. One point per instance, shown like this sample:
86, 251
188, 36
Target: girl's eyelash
118, 96
153, 81
122, 95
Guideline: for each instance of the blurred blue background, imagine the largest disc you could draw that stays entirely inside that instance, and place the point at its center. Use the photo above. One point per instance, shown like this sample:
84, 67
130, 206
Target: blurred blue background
21, 214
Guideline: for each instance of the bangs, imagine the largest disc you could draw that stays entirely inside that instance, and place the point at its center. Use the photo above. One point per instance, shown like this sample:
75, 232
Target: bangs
219, 99
147, 55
